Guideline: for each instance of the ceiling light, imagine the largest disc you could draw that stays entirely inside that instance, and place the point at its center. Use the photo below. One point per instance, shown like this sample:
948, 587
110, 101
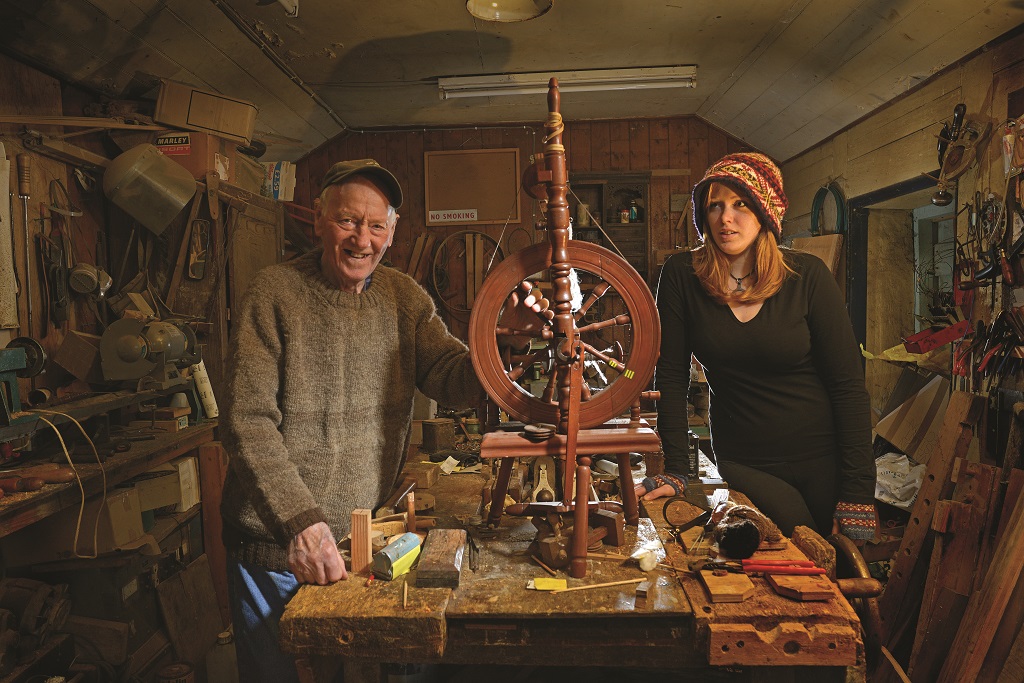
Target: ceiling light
507, 11
568, 81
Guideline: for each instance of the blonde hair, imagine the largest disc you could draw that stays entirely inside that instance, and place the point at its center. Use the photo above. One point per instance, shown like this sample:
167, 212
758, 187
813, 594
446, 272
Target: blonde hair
712, 269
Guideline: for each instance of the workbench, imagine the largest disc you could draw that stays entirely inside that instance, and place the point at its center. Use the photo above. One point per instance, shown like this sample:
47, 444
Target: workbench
492, 618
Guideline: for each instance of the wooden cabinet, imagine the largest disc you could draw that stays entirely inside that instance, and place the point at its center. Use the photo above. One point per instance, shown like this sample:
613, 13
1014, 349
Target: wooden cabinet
616, 217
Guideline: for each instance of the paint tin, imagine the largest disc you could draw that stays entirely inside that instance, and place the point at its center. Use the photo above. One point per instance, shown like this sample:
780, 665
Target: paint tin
179, 672
624, 216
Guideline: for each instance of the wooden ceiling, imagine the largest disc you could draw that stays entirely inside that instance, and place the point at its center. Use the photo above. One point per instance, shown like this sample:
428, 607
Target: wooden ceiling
780, 74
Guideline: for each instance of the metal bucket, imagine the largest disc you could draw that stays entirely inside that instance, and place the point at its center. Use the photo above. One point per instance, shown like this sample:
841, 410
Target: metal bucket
148, 186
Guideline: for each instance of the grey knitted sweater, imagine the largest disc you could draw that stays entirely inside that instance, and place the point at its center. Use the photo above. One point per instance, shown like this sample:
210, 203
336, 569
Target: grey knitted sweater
319, 403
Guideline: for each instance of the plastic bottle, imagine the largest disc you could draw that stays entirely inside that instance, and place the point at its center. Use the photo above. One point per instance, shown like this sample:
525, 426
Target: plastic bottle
221, 665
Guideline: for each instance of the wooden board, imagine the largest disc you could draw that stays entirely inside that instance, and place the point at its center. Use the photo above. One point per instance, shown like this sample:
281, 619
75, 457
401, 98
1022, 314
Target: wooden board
484, 180
185, 601
440, 565
729, 587
803, 588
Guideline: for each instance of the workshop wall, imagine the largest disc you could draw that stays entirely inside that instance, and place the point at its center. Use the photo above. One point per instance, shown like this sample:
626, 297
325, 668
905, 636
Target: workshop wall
674, 151
25, 91
897, 144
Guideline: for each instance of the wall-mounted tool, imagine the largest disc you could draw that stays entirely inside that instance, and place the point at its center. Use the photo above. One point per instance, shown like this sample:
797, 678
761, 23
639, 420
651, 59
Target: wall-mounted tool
958, 150
131, 349
24, 192
87, 279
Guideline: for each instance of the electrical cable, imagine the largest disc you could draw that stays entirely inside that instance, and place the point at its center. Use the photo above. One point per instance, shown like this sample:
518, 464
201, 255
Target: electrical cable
832, 190
78, 479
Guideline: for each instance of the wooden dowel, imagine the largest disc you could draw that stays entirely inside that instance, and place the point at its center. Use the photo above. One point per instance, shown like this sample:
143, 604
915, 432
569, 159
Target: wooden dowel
598, 585
405, 594
548, 569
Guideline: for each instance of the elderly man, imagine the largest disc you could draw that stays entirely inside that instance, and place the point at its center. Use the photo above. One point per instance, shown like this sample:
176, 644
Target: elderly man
328, 351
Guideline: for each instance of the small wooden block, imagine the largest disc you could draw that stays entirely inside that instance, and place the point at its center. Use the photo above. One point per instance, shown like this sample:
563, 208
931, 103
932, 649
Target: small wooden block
425, 473
802, 588
642, 589
362, 545
614, 522
168, 412
174, 425
731, 587
440, 564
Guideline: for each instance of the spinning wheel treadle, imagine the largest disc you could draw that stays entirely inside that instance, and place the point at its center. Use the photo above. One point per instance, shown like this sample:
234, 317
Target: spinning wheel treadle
634, 371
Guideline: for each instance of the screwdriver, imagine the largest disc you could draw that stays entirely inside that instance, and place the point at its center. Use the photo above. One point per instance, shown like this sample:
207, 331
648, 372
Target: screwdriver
24, 190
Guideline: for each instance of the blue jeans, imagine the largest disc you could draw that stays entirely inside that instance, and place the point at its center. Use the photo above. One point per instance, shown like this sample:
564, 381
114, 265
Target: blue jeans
258, 598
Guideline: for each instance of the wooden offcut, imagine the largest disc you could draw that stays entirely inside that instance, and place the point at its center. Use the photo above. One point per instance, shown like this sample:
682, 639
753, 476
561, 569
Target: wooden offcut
802, 588
729, 587
362, 546
438, 434
425, 473
440, 564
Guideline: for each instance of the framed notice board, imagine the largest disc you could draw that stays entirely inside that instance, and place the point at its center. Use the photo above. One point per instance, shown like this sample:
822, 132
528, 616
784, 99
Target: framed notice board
471, 186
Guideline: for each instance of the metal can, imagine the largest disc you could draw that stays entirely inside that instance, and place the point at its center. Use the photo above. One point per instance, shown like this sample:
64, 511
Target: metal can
624, 216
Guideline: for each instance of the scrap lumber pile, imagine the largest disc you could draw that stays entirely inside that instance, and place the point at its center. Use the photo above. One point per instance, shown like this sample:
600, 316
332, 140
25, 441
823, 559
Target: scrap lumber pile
954, 605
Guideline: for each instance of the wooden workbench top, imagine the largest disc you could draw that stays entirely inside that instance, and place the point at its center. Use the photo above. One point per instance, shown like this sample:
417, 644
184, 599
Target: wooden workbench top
492, 617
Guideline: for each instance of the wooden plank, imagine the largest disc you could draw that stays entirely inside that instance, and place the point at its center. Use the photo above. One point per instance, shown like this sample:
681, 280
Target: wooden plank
186, 602
897, 604
440, 564
986, 609
213, 468
639, 146
951, 578
479, 264
729, 587
907, 116
581, 147
600, 150
618, 145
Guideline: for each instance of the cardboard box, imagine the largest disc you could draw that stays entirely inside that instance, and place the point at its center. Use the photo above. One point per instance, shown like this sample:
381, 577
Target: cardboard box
914, 426
188, 481
157, 488
53, 538
200, 153
279, 180
186, 107
187, 470
247, 173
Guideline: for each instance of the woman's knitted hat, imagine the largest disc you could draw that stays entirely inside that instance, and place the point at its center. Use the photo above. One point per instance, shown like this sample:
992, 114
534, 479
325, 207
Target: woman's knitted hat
752, 175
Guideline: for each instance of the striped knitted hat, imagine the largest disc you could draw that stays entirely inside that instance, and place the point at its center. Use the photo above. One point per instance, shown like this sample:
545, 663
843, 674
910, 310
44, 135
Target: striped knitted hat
752, 175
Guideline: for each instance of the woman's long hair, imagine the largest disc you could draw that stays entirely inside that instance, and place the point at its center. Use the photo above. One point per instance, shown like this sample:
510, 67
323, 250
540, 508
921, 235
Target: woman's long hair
770, 267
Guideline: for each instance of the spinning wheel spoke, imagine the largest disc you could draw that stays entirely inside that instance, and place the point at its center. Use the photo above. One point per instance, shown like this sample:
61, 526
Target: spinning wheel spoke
523, 363
608, 360
622, 319
596, 293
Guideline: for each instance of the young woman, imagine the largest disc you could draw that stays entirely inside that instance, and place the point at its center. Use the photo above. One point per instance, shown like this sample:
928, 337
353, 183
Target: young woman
789, 418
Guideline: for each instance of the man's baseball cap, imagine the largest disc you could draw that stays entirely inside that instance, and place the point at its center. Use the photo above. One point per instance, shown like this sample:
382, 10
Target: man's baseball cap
346, 169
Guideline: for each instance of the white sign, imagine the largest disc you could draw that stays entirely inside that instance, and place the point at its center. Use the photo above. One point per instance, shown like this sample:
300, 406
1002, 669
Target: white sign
453, 216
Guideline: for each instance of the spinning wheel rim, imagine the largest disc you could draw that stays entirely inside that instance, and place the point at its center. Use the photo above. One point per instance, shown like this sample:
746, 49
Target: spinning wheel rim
610, 402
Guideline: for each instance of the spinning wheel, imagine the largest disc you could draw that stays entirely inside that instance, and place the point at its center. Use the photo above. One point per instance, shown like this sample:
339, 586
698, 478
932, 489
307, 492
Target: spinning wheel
569, 341
627, 376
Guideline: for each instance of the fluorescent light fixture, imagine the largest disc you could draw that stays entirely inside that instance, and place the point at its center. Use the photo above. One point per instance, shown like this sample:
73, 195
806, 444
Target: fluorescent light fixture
507, 11
568, 81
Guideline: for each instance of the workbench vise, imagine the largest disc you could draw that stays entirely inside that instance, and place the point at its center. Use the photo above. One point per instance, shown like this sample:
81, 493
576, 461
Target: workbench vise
11, 361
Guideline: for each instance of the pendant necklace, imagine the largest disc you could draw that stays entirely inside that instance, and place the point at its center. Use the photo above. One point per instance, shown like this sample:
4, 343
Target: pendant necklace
739, 281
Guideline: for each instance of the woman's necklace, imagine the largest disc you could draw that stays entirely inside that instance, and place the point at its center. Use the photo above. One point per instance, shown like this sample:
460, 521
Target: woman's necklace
739, 280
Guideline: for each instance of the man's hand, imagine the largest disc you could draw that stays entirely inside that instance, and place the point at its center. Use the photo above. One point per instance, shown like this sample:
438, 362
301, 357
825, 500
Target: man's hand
526, 310
313, 556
